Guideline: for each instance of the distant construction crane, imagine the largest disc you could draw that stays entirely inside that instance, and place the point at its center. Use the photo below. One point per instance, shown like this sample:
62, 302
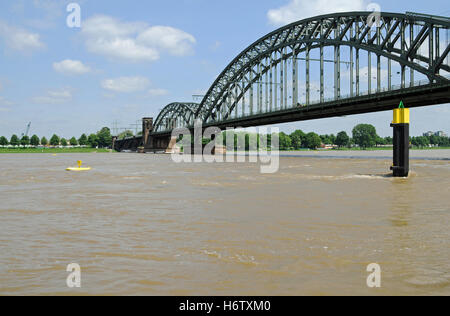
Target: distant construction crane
27, 130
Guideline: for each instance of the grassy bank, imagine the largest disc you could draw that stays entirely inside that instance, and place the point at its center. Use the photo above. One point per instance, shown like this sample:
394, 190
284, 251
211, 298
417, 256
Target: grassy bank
94, 150
388, 148
51, 150
360, 149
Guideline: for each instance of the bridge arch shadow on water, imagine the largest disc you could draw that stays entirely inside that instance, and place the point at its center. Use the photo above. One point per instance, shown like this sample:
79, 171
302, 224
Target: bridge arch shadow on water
326, 66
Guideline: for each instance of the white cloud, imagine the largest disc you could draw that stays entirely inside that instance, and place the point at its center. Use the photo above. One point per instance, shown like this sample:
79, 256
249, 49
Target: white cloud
5, 110
134, 41
20, 39
71, 67
126, 84
300, 9
5, 102
157, 92
125, 49
55, 97
176, 42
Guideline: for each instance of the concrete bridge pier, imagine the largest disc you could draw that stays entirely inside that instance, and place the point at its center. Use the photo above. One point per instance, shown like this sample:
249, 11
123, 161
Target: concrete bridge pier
166, 144
147, 128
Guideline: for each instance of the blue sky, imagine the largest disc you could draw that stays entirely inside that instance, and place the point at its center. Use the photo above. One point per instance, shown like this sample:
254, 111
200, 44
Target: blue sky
131, 58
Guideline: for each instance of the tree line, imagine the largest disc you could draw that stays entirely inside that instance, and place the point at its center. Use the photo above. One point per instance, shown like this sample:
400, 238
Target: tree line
426, 141
363, 136
101, 139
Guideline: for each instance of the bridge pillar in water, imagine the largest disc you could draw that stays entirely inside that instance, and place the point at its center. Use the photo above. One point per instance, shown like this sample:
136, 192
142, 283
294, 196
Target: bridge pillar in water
400, 124
147, 128
114, 139
220, 150
172, 147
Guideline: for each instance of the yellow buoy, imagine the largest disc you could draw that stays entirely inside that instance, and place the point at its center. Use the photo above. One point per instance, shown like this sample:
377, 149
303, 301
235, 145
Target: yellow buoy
79, 168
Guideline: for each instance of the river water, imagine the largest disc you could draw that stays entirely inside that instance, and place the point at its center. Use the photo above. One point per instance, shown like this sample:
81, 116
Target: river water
141, 224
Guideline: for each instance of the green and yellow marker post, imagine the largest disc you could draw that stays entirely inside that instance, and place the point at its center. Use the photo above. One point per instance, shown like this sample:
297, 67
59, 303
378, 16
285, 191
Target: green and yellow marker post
401, 141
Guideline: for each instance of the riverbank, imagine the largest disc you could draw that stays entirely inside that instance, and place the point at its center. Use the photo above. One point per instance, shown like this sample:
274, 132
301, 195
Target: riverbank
443, 154
51, 150
388, 148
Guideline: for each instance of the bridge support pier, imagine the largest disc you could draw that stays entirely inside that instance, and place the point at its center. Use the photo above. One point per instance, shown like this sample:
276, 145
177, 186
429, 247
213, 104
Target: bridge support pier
155, 144
220, 150
400, 124
114, 139
172, 147
147, 128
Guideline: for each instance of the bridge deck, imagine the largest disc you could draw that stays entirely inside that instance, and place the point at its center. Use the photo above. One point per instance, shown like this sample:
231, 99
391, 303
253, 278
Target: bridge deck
418, 96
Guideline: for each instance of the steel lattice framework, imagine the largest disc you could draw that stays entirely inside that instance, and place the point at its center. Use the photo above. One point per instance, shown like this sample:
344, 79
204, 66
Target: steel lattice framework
175, 115
265, 77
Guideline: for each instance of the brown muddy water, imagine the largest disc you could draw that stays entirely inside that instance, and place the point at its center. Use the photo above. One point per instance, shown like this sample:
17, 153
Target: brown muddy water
143, 225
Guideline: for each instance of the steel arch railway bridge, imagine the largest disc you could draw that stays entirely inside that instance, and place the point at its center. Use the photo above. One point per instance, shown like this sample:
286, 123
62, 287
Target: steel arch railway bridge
326, 66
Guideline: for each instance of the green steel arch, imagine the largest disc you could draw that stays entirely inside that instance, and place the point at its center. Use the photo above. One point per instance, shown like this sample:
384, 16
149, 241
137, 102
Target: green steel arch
175, 115
411, 42
342, 29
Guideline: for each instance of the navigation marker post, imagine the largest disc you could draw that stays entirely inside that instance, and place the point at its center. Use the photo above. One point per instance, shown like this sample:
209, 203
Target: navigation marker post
400, 124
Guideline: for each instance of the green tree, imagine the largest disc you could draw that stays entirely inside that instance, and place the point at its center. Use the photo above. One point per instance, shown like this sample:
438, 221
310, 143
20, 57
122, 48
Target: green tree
365, 135
34, 140
342, 139
380, 141
73, 141
83, 140
418, 142
3, 141
434, 140
423, 141
268, 138
14, 140
313, 141
388, 140
104, 137
54, 141
333, 139
63, 142
444, 141
93, 140
297, 139
285, 141
251, 142
326, 139
125, 134
44, 141
25, 141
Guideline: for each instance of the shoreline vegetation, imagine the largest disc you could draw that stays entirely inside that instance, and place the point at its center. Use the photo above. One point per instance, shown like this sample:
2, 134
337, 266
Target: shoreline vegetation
53, 150
364, 138
105, 150
99, 142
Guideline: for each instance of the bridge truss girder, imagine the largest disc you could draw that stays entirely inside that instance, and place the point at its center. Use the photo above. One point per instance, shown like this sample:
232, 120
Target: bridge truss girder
269, 68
